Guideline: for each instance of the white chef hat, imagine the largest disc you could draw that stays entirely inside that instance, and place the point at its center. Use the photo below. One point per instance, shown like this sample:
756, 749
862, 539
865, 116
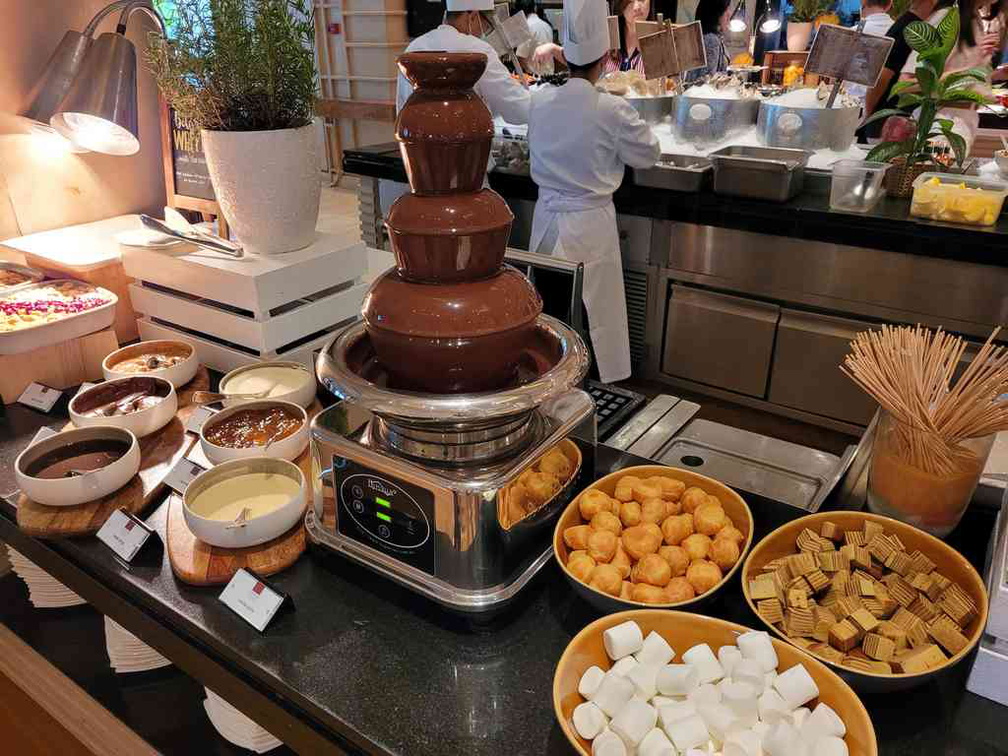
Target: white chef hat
585, 31
468, 5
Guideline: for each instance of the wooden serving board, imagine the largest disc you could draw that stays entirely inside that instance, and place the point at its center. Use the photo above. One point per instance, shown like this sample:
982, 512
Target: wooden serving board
199, 563
158, 454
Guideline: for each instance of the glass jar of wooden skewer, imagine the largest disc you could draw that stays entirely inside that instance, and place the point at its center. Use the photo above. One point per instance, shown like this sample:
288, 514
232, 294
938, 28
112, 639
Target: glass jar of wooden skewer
911, 480
937, 423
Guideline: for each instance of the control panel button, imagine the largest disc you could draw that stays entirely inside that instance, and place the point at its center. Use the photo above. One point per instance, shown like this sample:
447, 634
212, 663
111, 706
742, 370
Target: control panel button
357, 492
358, 506
384, 532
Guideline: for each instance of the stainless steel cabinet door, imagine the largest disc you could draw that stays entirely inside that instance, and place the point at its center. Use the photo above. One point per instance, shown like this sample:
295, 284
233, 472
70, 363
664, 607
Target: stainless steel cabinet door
719, 340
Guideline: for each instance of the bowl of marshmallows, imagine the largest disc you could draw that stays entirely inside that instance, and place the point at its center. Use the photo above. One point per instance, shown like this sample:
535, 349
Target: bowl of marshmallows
666, 683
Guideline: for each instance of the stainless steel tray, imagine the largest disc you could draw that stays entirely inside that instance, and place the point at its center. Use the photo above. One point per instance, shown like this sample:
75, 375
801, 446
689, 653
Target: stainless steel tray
770, 173
34, 276
680, 173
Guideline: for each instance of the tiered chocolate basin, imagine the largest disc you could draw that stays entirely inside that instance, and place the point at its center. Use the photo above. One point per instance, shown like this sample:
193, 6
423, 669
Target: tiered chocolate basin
454, 347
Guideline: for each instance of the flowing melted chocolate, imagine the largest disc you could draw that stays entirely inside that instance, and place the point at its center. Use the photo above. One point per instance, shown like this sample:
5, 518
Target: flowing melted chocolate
73, 459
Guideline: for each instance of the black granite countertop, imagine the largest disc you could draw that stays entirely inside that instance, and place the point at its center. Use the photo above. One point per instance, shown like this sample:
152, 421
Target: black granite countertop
808, 216
373, 667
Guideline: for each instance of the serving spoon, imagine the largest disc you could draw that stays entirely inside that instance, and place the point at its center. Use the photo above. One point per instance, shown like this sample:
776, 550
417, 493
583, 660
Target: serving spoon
209, 397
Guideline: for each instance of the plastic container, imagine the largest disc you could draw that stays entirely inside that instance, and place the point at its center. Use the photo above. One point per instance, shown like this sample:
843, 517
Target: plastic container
857, 185
958, 199
899, 488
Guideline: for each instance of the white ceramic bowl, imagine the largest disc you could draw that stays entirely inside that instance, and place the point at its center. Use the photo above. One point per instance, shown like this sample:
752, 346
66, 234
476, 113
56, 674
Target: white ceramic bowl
258, 529
179, 374
289, 448
69, 492
303, 395
141, 423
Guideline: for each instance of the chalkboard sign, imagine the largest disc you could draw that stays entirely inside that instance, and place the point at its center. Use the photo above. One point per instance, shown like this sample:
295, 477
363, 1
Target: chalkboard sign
187, 180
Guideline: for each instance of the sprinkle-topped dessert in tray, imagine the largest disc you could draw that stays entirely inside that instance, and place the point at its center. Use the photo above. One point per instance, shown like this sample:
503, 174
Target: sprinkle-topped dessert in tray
48, 302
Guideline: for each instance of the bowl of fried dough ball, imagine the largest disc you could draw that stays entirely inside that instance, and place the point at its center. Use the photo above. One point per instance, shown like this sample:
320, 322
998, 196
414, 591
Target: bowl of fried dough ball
652, 536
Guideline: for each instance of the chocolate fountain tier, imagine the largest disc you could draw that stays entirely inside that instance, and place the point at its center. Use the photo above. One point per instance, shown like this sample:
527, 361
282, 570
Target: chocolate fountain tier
444, 129
451, 338
442, 239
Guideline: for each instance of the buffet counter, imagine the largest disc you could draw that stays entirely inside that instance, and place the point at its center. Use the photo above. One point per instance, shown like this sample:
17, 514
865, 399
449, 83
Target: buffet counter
781, 286
363, 665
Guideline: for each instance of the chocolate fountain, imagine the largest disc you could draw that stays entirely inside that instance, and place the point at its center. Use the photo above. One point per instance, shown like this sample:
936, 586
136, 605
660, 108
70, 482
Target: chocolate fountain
455, 383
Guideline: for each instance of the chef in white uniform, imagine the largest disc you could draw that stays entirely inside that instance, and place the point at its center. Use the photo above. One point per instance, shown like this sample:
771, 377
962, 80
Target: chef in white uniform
462, 31
580, 141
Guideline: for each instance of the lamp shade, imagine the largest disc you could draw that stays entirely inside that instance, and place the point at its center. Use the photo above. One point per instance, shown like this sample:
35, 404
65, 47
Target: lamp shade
56, 78
99, 111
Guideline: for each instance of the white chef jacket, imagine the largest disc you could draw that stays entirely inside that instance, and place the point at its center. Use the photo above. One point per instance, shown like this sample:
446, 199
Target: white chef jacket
503, 95
580, 141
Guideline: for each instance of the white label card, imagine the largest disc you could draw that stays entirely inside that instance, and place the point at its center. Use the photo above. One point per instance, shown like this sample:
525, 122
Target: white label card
123, 534
180, 476
40, 397
251, 599
44, 432
196, 419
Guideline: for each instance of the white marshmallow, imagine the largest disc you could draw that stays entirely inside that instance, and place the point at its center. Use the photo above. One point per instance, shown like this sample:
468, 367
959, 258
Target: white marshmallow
704, 694
741, 699
623, 666
634, 721
707, 666
659, 701
688, 733
719, 720
829, 745
613, 694
655, 651
756, 644
676, 711
608, 743
821, 722
796, 686
588, 720
798, 717
742, 743
643, 678
590, 681
749, 672
782, 740
761, 729
769, 678
677, 679
656, 743
772, 707
728, 656
622, 640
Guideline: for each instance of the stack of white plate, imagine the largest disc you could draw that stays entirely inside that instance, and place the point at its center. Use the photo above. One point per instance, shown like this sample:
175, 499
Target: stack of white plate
44, 591
236, 727
127, 653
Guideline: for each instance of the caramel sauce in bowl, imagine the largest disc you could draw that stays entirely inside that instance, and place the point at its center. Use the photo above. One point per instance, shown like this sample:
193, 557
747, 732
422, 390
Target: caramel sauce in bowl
266, 427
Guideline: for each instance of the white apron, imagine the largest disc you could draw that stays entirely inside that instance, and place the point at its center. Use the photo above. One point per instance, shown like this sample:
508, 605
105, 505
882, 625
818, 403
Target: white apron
583, 229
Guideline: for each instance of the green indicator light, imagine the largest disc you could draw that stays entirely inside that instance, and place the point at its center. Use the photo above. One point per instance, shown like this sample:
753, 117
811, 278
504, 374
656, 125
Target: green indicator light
383, 516
383, 502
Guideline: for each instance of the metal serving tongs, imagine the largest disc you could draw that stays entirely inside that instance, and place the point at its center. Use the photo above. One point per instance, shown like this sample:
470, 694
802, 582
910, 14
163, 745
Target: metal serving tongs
200, 239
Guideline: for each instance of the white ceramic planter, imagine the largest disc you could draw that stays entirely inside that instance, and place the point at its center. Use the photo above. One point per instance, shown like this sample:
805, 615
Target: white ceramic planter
267, 184
798, 35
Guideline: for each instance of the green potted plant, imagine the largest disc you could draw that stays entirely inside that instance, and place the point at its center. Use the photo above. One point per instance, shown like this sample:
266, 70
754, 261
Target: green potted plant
910, 146
243, 72
800, 19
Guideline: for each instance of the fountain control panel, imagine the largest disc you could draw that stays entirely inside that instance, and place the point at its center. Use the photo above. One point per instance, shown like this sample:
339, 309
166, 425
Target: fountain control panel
385, 513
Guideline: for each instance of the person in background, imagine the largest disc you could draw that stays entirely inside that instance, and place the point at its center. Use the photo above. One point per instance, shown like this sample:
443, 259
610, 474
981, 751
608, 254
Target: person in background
542, 34
713, 16
580, 142
462, 31
628, 56
875, 14
878, 96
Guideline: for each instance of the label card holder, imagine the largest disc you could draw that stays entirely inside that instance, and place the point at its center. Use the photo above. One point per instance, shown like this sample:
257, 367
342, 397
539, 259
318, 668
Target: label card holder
182, 474
197, 417
126, 535
841, 53
254, 600
40, 397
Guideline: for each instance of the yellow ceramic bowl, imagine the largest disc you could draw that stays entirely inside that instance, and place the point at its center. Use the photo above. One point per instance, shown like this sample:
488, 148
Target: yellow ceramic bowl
947, 561
733, 504
682, 631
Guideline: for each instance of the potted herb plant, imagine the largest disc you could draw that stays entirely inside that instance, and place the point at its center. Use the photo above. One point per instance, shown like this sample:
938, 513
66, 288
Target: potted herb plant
910, 145
800, 19
243, 72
